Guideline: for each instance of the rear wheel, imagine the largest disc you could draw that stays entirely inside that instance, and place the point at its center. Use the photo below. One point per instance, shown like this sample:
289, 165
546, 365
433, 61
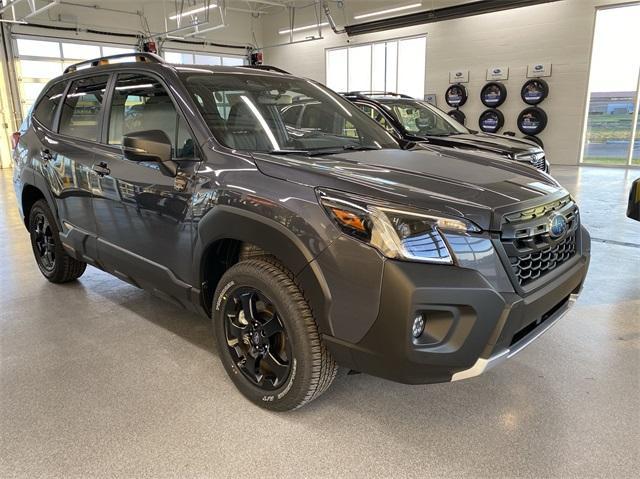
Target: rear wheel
53, 261
268, 340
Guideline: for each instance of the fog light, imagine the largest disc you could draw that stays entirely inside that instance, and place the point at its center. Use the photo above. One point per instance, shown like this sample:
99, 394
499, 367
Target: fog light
418, 326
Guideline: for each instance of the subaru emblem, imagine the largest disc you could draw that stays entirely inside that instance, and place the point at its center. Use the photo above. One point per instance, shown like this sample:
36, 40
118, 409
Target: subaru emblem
557, 225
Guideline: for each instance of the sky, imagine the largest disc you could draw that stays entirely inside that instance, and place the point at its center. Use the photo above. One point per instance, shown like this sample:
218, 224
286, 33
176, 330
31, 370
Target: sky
615, 63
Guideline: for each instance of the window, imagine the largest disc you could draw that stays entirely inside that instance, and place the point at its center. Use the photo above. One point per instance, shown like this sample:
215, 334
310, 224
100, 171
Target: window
81, 108
79, 51
421, 119
190, 58
141, 103
290, 115
41, 60
613, 89
396, 65
38, 48
258, 104
375, 115
46, 109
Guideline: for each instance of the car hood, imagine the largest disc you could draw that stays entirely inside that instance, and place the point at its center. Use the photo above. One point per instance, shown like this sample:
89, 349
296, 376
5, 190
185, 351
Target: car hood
475, 187
499, 144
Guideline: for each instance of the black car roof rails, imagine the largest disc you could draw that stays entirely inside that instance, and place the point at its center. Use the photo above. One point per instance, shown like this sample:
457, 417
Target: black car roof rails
364, 94
138, 57
270, 68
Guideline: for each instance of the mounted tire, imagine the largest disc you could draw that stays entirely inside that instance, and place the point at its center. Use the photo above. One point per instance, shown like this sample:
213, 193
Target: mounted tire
52, 260
267, 338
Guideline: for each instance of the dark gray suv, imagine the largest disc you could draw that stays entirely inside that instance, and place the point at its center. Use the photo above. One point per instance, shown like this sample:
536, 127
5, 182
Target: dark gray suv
309, 248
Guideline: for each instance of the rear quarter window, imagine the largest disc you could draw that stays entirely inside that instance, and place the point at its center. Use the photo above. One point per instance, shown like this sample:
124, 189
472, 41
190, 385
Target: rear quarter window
46, 108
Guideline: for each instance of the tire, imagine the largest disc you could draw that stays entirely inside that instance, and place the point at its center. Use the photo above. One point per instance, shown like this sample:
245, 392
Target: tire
491, 120
535, 139
532, 121
534, 91
311, 369
458, 115
493, 94
52, 260
456, 95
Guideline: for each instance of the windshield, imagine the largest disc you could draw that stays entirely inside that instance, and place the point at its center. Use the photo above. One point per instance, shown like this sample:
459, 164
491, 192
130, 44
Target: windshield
421, 119
254, 112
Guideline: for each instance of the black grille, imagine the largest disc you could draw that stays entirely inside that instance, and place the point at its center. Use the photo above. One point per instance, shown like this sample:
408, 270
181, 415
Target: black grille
532, 266
526, 239
538, 162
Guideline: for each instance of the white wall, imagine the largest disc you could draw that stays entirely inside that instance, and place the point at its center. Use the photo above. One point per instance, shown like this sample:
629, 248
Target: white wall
559, 33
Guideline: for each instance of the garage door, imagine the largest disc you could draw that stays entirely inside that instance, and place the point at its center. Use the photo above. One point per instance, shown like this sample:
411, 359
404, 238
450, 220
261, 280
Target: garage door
39, 60
196, 58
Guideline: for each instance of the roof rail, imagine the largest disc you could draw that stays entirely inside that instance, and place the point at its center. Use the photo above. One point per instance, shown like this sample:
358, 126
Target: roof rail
364, 94
270, 68
138, 57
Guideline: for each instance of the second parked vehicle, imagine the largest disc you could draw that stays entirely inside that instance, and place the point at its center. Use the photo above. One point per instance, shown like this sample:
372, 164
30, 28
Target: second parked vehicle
308, 248
412, 120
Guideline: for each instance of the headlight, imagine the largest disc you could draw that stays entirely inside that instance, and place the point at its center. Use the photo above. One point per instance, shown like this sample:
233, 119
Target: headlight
395, 232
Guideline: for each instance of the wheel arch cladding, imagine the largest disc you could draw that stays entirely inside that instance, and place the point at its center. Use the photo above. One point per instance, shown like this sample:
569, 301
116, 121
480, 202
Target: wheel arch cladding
216, 245
30, 194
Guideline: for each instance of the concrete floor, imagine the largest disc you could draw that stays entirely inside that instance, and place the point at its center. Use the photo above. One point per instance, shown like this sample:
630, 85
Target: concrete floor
98, 378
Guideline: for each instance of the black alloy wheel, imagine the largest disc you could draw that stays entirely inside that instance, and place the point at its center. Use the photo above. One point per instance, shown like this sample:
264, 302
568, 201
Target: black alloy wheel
257, 339
267, 336
53, 261
44, 242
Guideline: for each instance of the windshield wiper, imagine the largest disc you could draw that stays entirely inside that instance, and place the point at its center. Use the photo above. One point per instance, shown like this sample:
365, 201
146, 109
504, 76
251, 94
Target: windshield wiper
288, 152
335, 151
324, 151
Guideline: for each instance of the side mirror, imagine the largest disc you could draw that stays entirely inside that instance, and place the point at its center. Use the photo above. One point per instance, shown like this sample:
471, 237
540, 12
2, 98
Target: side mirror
633, 210
150, 145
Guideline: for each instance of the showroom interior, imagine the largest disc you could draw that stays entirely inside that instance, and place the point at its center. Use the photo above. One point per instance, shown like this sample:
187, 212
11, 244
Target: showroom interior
505, 112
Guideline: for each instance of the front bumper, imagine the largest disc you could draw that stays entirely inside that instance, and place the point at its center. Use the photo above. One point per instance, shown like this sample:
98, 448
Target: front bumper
470, 327
499, 357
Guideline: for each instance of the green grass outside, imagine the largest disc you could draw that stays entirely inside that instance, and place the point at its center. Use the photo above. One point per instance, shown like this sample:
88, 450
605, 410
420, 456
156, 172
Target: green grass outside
601, 128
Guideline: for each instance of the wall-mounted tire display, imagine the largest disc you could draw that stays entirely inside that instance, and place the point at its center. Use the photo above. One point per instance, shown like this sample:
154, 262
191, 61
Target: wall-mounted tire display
456, 95
458, 115
493, 94
491, 120
535, 139
534, 91
532, 120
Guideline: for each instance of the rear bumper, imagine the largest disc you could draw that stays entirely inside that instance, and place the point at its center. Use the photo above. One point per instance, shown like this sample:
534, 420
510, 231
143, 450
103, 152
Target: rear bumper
470, 327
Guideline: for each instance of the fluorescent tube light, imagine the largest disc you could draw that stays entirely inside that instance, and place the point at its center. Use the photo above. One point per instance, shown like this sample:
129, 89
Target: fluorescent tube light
388, 10
299, 29
191, 12
205, 30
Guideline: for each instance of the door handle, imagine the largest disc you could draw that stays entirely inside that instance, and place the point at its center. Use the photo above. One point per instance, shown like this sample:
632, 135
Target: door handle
101, 169
46, 155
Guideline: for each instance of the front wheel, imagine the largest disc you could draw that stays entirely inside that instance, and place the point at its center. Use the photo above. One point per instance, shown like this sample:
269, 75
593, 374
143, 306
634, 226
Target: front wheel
268, 340
53, 261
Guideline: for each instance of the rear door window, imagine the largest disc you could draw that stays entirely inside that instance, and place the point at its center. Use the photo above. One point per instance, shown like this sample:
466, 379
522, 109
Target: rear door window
46, 108
82, 106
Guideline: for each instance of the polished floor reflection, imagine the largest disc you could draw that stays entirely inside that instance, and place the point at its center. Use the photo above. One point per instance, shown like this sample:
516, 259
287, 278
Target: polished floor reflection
98, 378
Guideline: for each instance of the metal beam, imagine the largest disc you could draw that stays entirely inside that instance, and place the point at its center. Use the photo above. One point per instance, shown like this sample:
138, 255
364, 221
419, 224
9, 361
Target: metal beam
478, 7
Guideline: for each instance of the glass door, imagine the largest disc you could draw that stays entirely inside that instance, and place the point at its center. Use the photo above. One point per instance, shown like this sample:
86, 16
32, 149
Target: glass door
611, 136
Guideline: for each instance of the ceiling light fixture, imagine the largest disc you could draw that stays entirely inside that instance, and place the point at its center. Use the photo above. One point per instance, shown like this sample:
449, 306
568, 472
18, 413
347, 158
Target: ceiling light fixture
191, 12
388, 10
299, 29
205, 30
